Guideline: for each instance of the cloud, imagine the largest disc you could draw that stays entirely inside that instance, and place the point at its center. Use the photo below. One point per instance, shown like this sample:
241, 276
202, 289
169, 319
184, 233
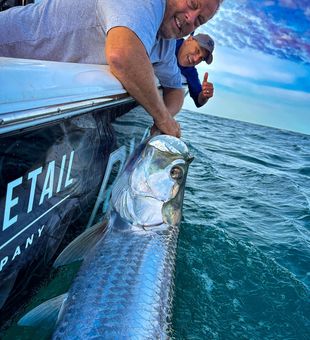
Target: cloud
288, 3
275, 93
258, 67
264, 111
307, 13
268, 3
261, 67
279, 29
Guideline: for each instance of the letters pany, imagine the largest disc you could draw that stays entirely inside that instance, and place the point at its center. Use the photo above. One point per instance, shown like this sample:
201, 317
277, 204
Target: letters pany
47, 190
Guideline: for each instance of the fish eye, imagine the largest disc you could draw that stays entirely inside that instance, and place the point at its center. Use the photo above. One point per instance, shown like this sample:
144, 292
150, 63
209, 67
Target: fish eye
176, 172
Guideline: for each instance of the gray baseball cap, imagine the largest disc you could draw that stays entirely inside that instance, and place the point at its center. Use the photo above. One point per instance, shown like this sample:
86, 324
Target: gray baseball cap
205, 41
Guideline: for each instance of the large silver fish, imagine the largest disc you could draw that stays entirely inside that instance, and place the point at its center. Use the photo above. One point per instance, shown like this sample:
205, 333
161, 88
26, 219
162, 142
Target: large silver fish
123, 288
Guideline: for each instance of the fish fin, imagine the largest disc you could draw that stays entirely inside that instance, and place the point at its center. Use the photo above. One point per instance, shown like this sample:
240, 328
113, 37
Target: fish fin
80, 247
44, 315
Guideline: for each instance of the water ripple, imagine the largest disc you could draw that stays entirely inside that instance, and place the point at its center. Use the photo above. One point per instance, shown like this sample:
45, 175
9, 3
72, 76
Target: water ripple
243, 264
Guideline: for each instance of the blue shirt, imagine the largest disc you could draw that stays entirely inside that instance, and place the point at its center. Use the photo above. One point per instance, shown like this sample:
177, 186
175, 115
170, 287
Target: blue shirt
191, 75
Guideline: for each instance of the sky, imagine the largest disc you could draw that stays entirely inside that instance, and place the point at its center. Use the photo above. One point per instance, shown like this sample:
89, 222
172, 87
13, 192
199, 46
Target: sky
261, 67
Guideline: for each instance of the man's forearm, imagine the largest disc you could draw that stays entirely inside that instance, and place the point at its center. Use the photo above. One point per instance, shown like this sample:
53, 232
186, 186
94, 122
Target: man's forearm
173, 99
130, 63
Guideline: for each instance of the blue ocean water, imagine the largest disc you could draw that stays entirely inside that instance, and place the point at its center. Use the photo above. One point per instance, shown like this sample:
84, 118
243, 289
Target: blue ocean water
243, 267
244, 248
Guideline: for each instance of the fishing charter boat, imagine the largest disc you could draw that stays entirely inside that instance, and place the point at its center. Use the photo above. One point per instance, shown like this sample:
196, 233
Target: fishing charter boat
58, 149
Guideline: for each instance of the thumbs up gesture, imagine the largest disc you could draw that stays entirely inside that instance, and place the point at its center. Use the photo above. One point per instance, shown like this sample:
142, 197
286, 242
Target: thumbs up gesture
207, 88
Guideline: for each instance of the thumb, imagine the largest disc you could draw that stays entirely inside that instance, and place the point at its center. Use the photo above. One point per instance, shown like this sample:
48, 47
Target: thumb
205, 79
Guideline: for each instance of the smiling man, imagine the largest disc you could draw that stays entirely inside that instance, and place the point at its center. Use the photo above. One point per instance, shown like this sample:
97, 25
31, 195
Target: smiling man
191, 52
119, 33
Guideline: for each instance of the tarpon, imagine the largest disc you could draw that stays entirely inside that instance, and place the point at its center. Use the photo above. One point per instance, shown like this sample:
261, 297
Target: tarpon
123, 288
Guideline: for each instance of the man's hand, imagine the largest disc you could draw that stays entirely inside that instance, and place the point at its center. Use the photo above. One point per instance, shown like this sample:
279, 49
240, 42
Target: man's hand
167, 125
173, 99
207, 90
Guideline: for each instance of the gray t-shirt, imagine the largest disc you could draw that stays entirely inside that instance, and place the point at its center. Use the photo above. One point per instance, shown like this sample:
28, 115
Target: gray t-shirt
164, 63
76, 30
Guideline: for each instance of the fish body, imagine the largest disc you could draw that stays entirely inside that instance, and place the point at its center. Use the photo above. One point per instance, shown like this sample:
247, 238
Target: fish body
122, 290
123, 287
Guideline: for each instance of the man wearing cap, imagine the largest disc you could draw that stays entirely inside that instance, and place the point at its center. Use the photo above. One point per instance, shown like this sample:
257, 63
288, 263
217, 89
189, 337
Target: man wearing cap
191, 52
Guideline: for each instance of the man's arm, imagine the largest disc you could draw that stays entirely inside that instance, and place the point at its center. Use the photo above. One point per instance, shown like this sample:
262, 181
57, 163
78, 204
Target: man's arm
130, 64
173, 99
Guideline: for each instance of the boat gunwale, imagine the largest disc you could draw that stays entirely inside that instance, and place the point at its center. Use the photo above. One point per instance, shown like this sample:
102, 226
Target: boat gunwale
13, 121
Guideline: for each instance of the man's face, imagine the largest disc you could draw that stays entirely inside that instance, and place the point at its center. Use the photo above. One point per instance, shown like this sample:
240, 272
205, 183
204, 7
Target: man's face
191, 53
183, 16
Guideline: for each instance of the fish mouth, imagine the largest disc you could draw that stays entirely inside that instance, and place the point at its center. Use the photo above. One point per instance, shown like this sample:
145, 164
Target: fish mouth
151, 226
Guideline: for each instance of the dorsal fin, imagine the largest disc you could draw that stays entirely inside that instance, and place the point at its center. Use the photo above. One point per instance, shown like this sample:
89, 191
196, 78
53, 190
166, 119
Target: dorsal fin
80, 247
44, 315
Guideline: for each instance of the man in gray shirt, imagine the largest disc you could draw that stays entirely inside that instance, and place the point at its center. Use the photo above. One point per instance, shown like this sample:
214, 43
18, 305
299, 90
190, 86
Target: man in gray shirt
119, 33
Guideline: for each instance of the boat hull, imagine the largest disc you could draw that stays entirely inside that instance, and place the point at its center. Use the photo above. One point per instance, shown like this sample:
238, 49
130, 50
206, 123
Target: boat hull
56, 138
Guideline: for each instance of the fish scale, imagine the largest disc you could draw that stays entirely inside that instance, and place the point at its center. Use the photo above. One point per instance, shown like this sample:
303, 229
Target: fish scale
131, 279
